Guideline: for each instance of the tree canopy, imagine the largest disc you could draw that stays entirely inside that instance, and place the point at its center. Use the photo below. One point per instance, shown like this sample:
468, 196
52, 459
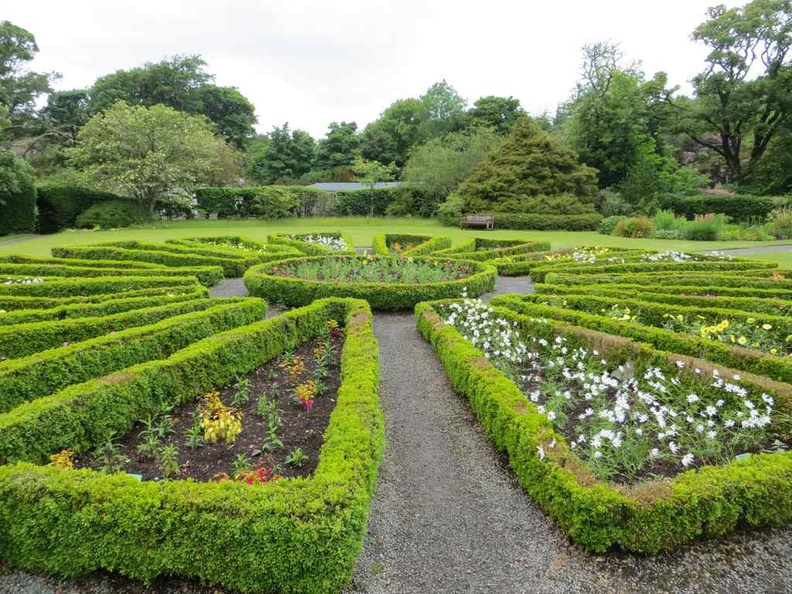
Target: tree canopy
282, 155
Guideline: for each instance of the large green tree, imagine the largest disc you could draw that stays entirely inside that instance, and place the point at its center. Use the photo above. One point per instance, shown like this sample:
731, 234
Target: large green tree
498, 113
181, 83
527, 167
339, 148
19, 87
281, 156
744, 95
146, 153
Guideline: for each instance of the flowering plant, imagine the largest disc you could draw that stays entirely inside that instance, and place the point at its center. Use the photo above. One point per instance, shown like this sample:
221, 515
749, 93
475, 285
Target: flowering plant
329, 241
219, 421
306, 394
749, 333
63, 459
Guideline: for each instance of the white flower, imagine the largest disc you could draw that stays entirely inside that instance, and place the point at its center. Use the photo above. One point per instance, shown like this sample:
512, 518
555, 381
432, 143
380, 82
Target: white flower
541, 451
598, 454
687, 460
692, 398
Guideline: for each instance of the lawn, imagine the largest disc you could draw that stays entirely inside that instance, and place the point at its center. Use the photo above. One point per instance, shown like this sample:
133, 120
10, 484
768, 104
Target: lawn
362, 230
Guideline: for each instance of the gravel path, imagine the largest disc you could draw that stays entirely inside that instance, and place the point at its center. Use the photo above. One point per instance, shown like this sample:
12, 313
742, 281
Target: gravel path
449, 516
19, 239
754, 250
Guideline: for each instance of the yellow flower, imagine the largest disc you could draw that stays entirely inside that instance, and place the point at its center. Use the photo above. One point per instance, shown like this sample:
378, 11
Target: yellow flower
742, 340
766, 327
773, 351
751, 320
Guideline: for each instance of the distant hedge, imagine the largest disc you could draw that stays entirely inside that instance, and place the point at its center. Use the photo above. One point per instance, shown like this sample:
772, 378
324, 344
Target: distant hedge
17, 195
59, 205
113, 214
739, 207
267, 202
547, 222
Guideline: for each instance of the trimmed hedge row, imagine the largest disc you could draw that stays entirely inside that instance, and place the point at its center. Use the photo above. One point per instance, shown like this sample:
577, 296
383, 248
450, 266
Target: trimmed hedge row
312, 249
206, 275
16, 303
239, 243
522, 264
291, 535
43, 373
210, 251
694, 296
422, 244
24, 339
484, 250
232, 267
777, 368
539, 273
649, 517
548, 222
126, 264
103, 308
718, 280
386, 296
112, 285
738, 207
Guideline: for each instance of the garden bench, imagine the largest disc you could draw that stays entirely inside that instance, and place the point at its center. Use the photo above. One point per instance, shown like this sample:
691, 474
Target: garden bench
477, 220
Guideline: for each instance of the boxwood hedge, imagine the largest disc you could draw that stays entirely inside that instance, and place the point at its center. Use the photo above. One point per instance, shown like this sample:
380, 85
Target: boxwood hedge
312, 249
15, 303
647, 517
207, 275
291, 291
291, 535
110, 285
47, 371
422, 244
483, 249
773, 281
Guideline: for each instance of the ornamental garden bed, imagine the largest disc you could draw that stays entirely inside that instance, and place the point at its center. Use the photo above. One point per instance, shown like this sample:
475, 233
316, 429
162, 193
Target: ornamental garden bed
625, 445
485, 249
385, 282
408, 245
258, 533
316, 244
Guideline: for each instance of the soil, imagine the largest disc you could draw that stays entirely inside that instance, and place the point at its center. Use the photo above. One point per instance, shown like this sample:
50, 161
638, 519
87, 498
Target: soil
299, 429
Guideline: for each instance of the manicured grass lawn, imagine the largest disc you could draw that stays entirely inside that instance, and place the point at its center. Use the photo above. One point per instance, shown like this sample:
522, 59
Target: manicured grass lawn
362, 230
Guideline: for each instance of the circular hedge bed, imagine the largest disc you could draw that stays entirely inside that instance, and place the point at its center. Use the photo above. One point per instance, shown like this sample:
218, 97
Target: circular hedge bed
385, 282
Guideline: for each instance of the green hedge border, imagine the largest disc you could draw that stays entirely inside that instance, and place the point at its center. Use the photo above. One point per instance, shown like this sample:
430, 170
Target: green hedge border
649, 518
19, 303
206, 275
518, 246
290, 536
45, 372
719, 280
426, 244
313, 249
381, 296
112, 285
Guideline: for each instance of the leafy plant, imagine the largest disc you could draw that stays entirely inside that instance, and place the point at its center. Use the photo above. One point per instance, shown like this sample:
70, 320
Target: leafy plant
306, 394
63, 459
241, 464
219, 421
241, 395
169, 461
194, 437
110, 456
296, 458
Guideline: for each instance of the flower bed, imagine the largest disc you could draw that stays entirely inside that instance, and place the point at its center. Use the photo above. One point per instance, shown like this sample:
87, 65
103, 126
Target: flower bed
288, 535
485, 249
553, 450
386, 283
316, 244
408, 245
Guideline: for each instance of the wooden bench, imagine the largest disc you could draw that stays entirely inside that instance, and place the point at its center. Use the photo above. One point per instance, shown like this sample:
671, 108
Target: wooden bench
477, 220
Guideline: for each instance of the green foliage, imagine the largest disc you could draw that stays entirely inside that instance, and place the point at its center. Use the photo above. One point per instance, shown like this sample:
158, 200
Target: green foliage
339, 149
781, 222
738, 207
411, 245
497, 113
710, 502
281, 156
262, 201
368, 202
262, 282
46, 372
529, 163
146, 153
113, 214
292, 535
72, 287
484, 250
546, 222
59, 205
300, 242
17, 192
633, 227
608, 224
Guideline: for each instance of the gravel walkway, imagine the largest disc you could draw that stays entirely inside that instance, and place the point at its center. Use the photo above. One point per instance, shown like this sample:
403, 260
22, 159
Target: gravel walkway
449, 516
19, 239
754, 250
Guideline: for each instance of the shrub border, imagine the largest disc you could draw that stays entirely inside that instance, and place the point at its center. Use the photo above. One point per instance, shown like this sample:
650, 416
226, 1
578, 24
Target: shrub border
313, 249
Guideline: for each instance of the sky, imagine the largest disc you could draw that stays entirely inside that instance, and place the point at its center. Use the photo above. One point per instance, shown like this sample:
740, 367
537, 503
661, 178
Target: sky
310, 63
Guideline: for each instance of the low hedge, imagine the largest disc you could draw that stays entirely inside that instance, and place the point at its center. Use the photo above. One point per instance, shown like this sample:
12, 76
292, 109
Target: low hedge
312, 249
539, 273
43, 373
24, 339
298, 535
719, 280
126, 264
741, 299
386, 296
649, 517
232, 267
73, 287
740, 208
102, 308
206, 275
423, 245
216, 251
485, 250
777, 368
548, 222
16, 303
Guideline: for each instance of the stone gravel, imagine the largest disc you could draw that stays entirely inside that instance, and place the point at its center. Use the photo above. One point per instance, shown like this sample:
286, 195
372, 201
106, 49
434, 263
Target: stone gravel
754, 250
449, 516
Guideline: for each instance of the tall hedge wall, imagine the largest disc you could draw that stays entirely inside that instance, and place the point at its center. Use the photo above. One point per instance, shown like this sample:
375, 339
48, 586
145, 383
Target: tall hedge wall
59, 205
17, 195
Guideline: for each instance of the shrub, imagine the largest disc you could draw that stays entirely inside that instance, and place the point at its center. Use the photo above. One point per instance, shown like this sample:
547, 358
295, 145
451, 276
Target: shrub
412, 200
111, 285
608, 224
416, 245
547, 222
737, 207
781, 222
666, 220
306, 243
359, 202
17, 195
633, 227
701, 231
291, 535
613, 204
207, 275
113, 214
268, 202
59, 205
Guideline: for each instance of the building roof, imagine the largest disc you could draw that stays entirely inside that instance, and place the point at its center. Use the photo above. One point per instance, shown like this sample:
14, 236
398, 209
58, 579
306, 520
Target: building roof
348, 186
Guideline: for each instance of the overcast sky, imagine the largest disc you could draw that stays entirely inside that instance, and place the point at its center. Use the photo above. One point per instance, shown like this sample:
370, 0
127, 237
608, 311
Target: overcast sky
312, 63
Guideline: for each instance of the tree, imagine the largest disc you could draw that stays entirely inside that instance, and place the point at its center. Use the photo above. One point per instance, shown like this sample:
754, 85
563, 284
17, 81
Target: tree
146, 153
498, 113
733, 114
529, 164
439, 165
284, 156
181, 83
66, 112
19, 88
339, 148
17, 195
370, 173
399, 128
445, 110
